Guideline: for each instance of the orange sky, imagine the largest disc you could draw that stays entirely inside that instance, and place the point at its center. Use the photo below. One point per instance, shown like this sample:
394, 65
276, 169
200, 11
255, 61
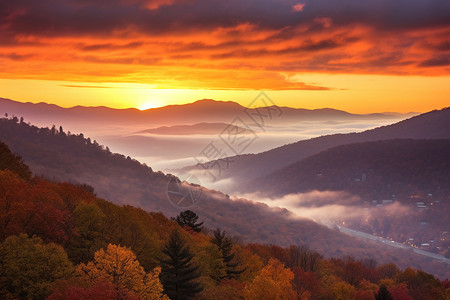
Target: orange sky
381, 56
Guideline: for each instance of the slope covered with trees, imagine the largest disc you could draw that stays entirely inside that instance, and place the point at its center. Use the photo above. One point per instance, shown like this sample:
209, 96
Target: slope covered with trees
104, 251
410, 174
66, 157
373, 170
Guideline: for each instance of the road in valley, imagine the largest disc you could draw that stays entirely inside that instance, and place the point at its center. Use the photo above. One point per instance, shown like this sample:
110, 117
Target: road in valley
364, 235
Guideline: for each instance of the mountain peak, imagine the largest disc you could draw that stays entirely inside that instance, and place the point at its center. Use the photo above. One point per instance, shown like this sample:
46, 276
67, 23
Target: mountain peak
211, 102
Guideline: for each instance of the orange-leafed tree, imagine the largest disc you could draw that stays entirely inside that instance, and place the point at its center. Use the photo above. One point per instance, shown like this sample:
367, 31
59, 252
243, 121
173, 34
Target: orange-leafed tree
274, 282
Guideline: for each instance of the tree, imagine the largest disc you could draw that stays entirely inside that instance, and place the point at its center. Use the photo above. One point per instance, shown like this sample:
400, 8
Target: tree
99, 291
305, 283
273, 283
178, 273
383, 294
88, 222
119, 266
388, 270
304, 258
225, 245
400, 292
15, 203
189, 219
226, 290
343, 290
29, 268
14, 163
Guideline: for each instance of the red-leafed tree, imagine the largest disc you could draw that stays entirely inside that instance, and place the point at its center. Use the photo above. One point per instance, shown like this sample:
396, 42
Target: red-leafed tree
305, 283
100, 291
400, 292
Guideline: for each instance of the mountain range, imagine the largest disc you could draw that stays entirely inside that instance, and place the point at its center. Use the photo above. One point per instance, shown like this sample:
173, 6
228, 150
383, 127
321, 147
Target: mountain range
154, 136
206, 110
248, 167
59, 156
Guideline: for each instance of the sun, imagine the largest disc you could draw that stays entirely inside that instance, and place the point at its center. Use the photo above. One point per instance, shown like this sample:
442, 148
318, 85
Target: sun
154, 103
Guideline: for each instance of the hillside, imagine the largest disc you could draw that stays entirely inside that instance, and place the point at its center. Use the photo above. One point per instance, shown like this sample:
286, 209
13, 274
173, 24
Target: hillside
373, 170
59, 241
431, 125
410, 176
73, 158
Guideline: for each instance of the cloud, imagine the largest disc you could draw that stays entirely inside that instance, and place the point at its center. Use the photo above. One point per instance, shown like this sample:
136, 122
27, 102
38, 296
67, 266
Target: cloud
438, 61
330, 207
86, 86
110, 46
16, 56
191, 43
298, 7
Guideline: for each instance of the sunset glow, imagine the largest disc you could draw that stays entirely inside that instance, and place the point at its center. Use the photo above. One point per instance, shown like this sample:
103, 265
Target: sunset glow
306, 54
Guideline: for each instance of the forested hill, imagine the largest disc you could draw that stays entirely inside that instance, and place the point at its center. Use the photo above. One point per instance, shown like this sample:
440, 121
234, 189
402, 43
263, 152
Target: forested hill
74, 158
431, 125
59, 241
56, 155
373, 170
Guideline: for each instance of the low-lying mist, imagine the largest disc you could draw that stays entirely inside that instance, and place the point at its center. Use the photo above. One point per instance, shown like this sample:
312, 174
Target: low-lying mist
331, 207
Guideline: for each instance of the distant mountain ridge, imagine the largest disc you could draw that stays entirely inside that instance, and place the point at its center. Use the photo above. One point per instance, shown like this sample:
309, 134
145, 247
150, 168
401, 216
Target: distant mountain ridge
431, 125
199, 128
206, 110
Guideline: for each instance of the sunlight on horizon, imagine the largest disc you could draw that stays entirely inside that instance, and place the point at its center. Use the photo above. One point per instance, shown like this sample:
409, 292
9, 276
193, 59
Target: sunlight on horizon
351, 93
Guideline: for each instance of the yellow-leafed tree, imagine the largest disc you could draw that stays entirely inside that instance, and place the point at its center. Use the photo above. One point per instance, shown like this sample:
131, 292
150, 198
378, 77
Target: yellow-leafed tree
120, 266
274, 283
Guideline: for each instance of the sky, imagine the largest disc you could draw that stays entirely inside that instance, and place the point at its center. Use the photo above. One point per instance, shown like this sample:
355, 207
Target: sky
359, 56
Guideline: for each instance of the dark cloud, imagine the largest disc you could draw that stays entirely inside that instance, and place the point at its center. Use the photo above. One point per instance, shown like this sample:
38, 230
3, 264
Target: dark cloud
52, 18
307, 46
15, 56
440, 46
326, 44
439, 61
109, 46
371, 36
122, 60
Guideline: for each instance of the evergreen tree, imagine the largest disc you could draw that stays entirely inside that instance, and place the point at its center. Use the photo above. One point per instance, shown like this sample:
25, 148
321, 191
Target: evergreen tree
178, 273
189, 218
383, 294
225, 245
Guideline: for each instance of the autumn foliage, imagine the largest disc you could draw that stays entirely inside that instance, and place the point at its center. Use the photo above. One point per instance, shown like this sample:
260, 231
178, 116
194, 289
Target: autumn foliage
59, 241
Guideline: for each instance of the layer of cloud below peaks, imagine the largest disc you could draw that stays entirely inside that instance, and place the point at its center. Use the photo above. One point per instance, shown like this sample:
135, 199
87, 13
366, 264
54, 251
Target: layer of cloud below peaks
328, 207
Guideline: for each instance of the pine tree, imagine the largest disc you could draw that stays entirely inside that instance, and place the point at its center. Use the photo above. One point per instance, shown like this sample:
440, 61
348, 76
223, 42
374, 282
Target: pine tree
225, 245
189, 218
178, 273
383, 294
